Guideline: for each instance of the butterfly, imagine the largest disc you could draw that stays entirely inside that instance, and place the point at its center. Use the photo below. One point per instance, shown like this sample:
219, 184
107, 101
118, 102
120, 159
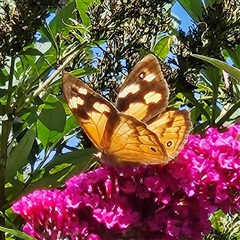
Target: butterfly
138, 129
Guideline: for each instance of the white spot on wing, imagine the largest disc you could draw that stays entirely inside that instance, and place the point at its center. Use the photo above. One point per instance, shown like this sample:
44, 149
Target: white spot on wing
82, 91
132, 88
149, 77
152, 97
75, 101
101, 107
141, 75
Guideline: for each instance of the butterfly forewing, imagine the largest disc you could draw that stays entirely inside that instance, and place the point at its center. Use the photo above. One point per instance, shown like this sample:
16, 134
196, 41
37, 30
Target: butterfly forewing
171, 127
145, 93
91, 109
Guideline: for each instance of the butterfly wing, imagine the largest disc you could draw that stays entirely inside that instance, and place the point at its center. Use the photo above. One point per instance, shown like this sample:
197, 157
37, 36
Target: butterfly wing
120, 138
91, 109
172, 128
144, 95
145, 92
130, 142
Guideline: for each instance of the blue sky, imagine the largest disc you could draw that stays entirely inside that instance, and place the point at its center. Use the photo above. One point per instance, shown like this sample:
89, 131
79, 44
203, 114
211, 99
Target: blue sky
186, 20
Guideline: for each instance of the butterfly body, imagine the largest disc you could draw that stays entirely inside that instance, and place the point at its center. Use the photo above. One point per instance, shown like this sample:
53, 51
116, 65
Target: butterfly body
134, 132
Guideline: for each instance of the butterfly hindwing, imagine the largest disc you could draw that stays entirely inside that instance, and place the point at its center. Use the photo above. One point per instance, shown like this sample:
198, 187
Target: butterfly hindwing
171, 127
131, 143
145, 92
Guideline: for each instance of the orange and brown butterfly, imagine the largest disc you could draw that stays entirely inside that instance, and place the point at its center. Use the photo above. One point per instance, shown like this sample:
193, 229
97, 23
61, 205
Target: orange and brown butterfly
138, 129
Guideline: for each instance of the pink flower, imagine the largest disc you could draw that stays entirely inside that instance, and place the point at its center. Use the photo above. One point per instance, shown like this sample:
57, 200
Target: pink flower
43, 211
212, 166
146, 202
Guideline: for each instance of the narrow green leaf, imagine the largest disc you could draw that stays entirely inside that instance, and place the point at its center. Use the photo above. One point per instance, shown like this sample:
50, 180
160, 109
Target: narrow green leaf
75, 157
44, 63
82, 6
31, 52
49, 34
81, 72
232, 71
3, 78
17, 233
13, 190
199, 128
18, 157
213, 76
198, 105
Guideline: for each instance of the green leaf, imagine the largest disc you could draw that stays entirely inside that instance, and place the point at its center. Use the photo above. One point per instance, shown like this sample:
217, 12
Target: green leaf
51, 37
197, 104
51, 121
78, 159
71, 123
232, 71
231, 111
193, 8
213, 75
62, 168
43, 64
52, 114
3, 78
17, 233
234, 55
200, 127
83, 72
82, 6
33, 69
58, 23
13, 190
18, 157
47, 136
162, 48
31, 52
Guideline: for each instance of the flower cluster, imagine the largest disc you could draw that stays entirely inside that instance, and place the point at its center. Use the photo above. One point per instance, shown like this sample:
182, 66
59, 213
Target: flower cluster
212, 167
146, 202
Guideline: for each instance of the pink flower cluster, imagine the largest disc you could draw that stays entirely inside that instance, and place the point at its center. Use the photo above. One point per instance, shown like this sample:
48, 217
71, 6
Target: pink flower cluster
212, 166
146, 202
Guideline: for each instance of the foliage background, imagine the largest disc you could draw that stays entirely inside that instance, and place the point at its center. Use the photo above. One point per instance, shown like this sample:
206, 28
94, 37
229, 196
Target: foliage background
41, 144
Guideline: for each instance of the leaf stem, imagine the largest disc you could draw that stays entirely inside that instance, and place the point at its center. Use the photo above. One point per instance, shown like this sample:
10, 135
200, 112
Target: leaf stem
9, 92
